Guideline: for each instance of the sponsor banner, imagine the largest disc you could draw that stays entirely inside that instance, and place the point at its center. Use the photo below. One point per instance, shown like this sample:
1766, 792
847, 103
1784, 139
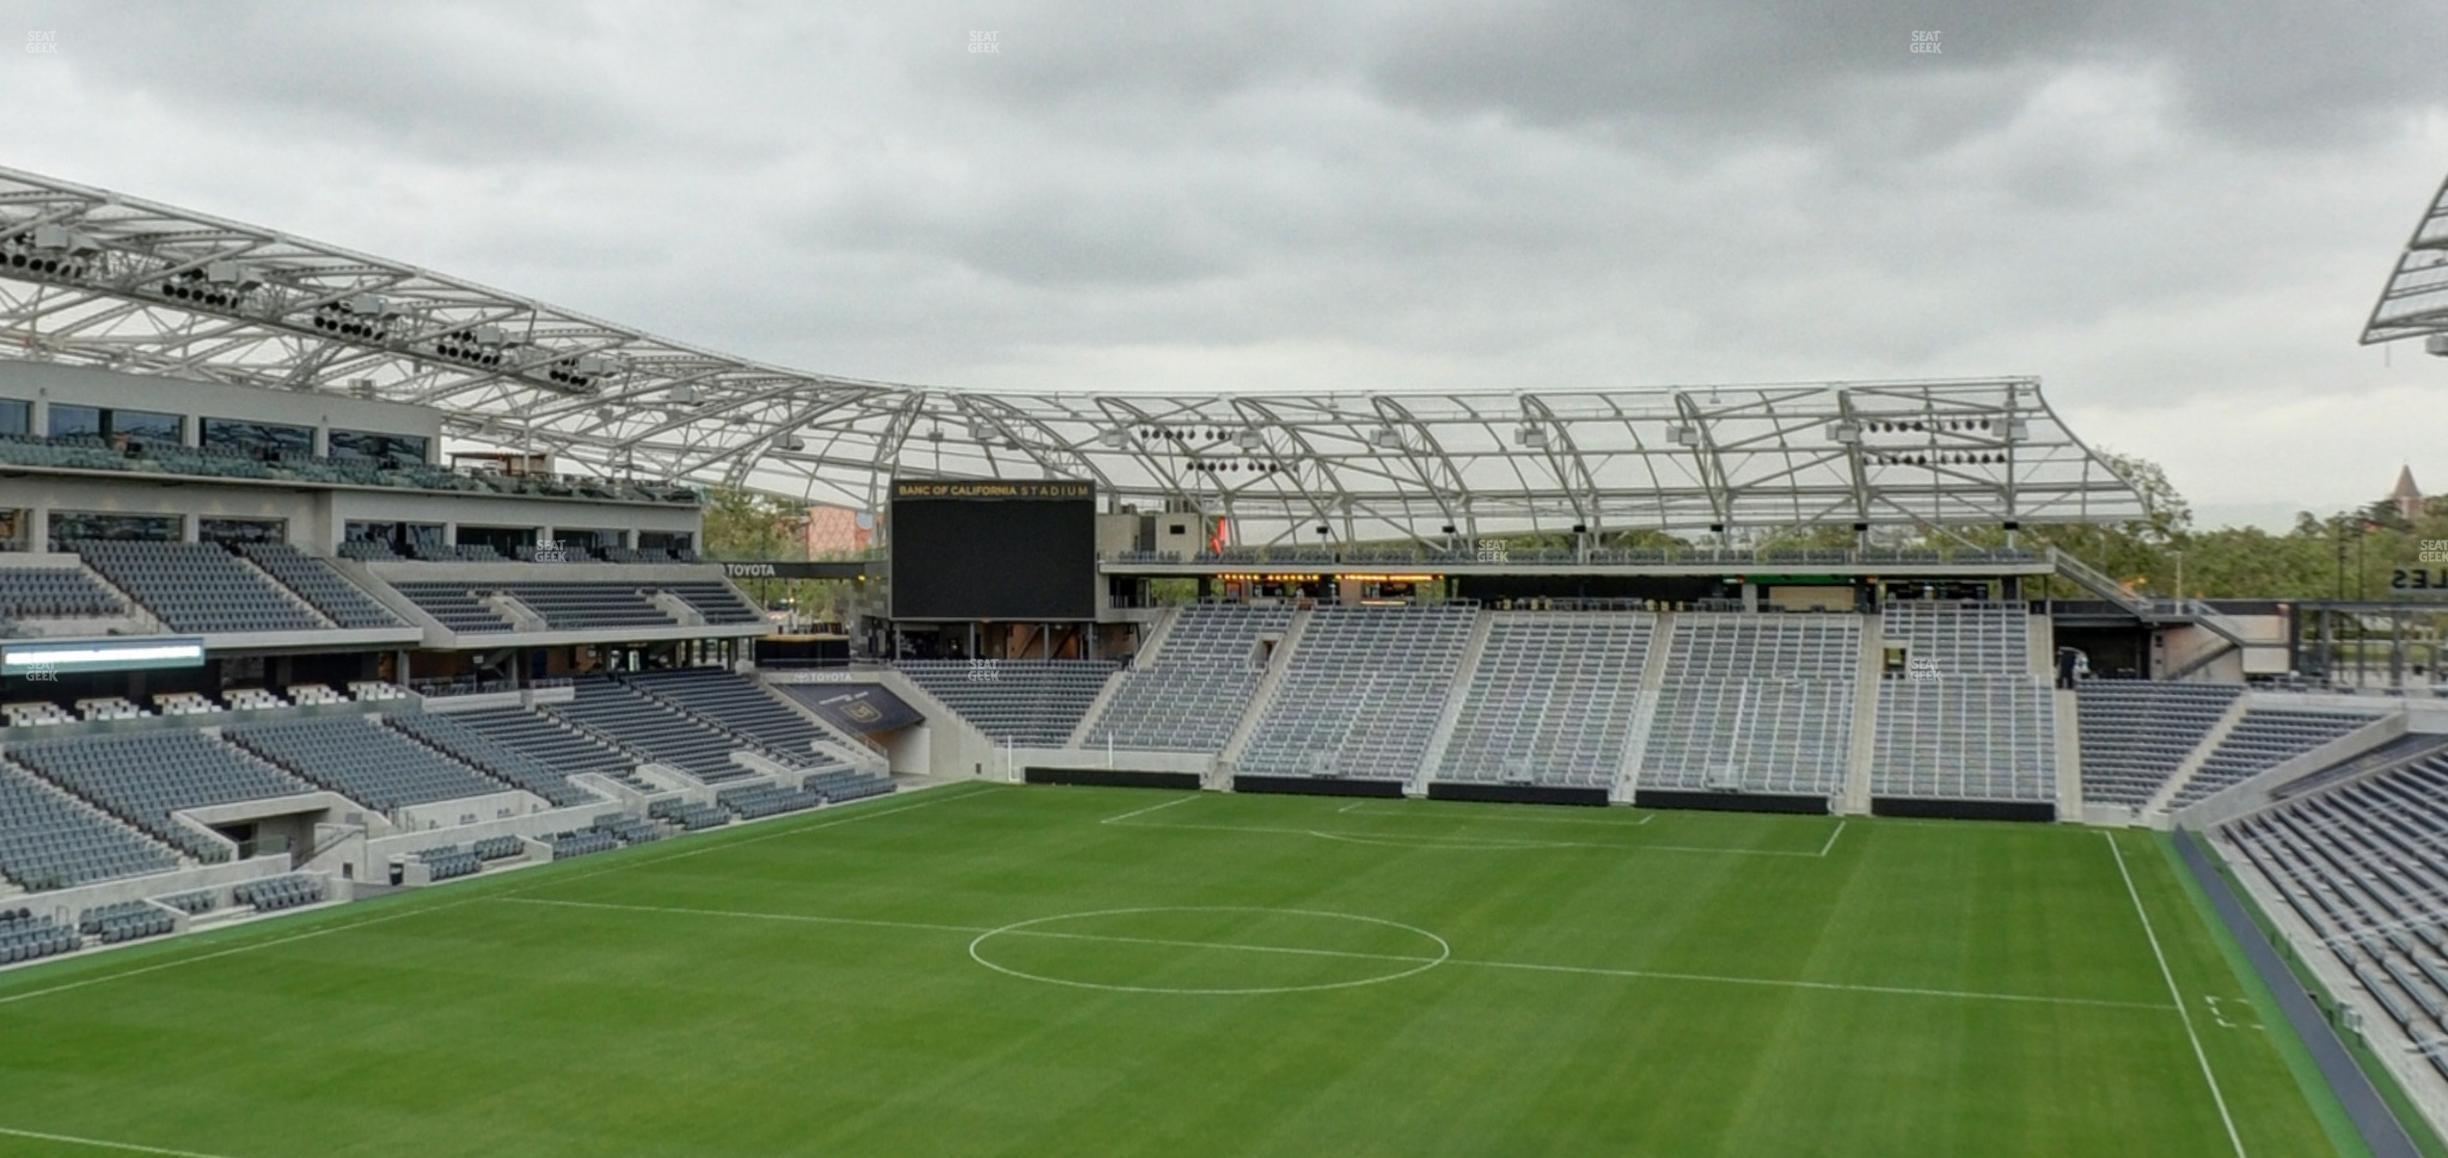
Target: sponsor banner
859, 709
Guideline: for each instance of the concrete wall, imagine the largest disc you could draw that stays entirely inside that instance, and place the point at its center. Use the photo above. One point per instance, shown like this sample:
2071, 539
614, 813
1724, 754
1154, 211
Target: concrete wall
470, 810
370, 860
64, 904
953, 749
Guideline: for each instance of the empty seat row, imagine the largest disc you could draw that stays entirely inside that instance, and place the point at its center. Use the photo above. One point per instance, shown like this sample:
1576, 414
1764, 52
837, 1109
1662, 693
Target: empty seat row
628, 829
1755, 702
1031, 702
2263, 739
47, 841
544, 738
196, 587
1966, 738
1363, 692
576, 605
582, 842
125, 921
357, 757
688, 816
1553, 699
848, 784
453, 736
1190, 694
2136, 733
2360, 863
317, 583
1950, 639
194, 903
55, 593
756, 801
449, 862
735, 703
654, 732
26, 937
272, 894
144, 778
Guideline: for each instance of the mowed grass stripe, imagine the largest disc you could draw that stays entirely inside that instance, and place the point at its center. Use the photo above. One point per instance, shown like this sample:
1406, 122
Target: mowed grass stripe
554, 1030
1235, 946
256, 936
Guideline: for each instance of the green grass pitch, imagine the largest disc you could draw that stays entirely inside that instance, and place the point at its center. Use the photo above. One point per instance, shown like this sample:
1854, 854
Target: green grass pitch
1064, 971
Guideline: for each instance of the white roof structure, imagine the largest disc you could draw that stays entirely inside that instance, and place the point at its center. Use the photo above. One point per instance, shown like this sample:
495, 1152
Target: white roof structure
95, 277
2414, 303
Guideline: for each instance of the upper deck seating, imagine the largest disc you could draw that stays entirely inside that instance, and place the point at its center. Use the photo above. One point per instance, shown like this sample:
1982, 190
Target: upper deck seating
196, 587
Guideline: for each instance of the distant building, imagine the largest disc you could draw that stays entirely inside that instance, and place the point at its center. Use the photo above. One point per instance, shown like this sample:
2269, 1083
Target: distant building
838, 531
2406, 497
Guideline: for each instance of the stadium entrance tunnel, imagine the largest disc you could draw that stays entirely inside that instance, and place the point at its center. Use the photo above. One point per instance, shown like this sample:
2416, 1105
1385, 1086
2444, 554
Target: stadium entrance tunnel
1210, 950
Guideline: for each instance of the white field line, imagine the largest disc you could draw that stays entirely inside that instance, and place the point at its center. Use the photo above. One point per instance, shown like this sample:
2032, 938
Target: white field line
1353, 809
251, 947
1836, 986
744, 915
1830, 846
972, 930
701, 850
1590, 971
2168, 975
1150, 808
232, 951
1463, 842
100, 1144
1471, 842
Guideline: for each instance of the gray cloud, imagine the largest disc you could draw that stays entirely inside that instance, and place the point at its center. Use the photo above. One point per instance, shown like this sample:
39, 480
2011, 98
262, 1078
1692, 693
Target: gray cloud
2178, 215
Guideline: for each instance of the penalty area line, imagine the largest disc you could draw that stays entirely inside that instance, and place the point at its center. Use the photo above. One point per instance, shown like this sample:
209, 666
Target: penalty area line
1150, 808
1353, 809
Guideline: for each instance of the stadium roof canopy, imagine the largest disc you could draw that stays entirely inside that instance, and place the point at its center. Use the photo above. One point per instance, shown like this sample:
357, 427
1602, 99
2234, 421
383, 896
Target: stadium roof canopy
94, 277
2414, 303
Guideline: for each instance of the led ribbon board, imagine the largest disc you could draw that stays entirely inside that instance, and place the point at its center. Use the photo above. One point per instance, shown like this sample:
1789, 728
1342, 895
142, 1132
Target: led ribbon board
26, 659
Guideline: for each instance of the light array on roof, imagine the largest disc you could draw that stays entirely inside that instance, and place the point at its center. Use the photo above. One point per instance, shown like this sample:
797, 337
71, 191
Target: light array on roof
113, 280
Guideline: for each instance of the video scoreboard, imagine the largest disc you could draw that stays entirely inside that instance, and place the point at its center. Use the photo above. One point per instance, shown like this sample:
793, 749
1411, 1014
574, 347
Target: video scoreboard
1021, 550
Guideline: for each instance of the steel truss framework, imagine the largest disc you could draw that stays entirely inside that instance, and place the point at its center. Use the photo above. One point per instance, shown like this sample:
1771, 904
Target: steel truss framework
93, 277
2414, 303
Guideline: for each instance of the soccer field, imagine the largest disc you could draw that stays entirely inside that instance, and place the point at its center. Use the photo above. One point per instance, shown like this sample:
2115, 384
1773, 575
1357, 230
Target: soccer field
998, 970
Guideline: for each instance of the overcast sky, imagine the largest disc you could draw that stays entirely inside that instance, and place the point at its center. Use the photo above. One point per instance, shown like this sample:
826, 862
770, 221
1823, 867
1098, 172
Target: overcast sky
2177, 216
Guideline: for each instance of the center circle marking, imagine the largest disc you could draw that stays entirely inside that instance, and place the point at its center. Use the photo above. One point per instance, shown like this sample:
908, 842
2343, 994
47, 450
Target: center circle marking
1444, 951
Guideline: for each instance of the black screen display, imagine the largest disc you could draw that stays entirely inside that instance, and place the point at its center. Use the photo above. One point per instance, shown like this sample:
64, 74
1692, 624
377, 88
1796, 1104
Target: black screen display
993, 550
